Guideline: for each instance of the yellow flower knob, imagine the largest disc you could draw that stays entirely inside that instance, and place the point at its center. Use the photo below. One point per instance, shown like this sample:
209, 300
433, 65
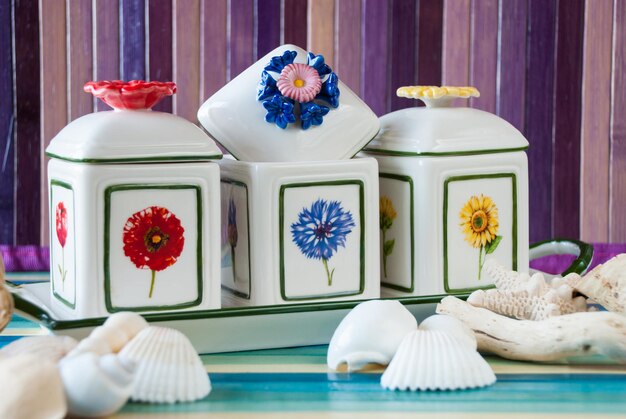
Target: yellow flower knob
436, 96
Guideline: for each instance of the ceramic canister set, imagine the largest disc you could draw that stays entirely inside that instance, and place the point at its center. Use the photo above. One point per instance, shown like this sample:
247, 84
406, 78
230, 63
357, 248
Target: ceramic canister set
147, 216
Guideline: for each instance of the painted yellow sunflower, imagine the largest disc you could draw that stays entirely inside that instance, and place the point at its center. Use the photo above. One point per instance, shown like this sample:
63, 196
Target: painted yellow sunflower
479, 221
387, 213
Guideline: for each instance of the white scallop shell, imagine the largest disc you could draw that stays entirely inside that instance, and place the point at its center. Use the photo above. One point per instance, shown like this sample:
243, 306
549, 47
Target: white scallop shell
115, 337
370, 333
434, 360
96, 386
168, 368
455, 327
128, 322
52, 348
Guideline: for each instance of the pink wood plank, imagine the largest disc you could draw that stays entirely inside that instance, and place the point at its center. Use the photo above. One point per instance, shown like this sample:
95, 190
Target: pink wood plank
617, 226
80, 62
484, 54
53, 76
321, 29
107, 47
596, 116
348, 39
187, 57
214, 43
456, 43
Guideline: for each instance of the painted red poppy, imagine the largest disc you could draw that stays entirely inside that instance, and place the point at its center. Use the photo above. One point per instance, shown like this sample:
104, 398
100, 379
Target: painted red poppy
61, 223
135, 94
153, 238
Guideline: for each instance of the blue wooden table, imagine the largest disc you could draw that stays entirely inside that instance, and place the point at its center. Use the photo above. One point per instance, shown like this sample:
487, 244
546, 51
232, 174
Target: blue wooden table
296, 381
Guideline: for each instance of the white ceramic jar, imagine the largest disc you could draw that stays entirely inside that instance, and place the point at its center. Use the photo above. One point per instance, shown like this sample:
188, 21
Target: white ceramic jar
134, 209
453, 193
297, 232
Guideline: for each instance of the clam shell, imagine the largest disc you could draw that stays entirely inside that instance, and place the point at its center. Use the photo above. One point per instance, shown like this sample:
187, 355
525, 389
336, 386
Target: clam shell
96, 386
168, 368
455, 327
51, 348
434, 360
370, 333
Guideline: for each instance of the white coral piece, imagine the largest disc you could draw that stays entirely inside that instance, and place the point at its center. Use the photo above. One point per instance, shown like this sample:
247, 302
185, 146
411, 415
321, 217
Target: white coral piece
605, 284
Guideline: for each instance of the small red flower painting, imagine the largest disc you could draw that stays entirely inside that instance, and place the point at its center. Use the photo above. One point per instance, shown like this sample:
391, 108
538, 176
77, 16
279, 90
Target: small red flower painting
61, 229
153, 239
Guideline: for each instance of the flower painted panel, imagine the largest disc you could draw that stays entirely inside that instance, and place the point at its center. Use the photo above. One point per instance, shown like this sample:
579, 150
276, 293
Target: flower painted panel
396, 232
480, 223
321, 238
235, 239
153, 247
62, 243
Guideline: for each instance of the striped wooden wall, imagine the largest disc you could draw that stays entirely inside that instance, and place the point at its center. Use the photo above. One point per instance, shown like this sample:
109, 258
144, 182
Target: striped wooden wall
556, 69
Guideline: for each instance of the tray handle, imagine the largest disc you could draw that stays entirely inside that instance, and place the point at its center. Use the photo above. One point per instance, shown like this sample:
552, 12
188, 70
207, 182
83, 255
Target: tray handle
583, 252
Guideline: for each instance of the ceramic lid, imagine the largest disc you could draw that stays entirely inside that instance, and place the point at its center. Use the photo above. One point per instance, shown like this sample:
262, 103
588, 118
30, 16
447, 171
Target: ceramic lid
438, 129
132, 132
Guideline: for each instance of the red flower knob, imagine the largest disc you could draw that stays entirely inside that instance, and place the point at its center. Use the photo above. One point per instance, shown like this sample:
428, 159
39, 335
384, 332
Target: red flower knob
135, 94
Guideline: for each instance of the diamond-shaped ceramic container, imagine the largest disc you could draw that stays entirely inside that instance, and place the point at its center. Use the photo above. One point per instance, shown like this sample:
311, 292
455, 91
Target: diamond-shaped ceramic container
134, 214
299, 232
236, 119
453, 193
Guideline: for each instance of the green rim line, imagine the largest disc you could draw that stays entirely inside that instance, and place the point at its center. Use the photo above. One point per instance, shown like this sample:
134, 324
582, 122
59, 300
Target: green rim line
107, 221
139, 159
443, 153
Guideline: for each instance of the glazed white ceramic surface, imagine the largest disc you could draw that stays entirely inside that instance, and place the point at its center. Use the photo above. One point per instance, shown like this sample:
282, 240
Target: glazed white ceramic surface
270, 197
235, 118
431, 162
370, 333
100, 278
132, 135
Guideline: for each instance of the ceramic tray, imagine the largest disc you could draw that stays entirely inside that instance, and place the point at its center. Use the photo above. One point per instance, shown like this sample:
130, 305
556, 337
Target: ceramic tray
238, 329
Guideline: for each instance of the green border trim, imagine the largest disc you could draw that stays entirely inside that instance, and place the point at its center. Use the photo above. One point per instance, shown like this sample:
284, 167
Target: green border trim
409, 180
164, 159
513, 178
442, 154
578, 265
281, 232
224, 287
54, 182
107, 220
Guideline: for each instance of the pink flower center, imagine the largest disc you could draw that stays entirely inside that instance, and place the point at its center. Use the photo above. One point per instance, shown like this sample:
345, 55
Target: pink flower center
299, 82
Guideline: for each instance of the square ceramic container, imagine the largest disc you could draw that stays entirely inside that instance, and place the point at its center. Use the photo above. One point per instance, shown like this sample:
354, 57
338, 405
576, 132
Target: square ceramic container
134, 215
453, 193
299, 232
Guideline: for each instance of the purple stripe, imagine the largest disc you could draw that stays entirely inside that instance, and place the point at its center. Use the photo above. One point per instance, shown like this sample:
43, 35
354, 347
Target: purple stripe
618, 126
25, 258
241, 38
512, 65
539, 90
374, 56
268, 27
7, 150
160, 46
80, 52
430, 39
133, 39
27, 140
484, 54
214, 71
566, 164
295, 22
402, 66
107, 44
348, 36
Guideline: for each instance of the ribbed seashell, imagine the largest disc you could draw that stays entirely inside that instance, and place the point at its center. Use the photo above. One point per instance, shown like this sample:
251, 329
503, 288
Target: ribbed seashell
115, 337
434, 360
30, 388
605, 284
452, 326
6, 300
517, 304
52, 348
370, 333
128, 322
96, 386
168, 368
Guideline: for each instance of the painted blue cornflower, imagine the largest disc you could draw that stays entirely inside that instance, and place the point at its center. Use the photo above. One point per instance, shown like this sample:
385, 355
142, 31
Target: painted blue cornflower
312, 114
279, 111
321, 229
